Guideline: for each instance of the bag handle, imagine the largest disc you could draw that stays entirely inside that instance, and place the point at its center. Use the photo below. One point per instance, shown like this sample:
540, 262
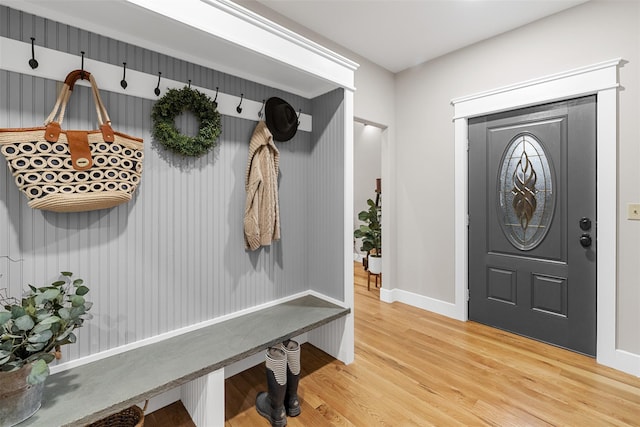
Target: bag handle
76, 75
54, 120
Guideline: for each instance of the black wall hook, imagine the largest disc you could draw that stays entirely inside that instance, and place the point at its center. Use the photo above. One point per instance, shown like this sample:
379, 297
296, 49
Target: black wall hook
82, 66
299, 113
261, 108
239, 108
32, 62
215, 100
123, 82
189, 84
157, 89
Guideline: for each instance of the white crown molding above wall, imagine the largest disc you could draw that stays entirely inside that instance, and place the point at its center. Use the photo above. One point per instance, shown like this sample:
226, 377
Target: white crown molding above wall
215, 34
55, 65
572, 83
260, 21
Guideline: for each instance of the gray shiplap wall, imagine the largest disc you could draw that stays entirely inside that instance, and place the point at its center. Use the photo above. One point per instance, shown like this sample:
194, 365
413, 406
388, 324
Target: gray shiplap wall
326, 207
174, 256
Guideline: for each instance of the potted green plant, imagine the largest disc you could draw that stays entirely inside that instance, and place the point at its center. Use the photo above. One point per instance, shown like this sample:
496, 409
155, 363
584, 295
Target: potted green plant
32, 330
371, 234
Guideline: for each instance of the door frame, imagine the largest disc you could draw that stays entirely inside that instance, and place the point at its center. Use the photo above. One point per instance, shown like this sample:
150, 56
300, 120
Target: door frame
600, 79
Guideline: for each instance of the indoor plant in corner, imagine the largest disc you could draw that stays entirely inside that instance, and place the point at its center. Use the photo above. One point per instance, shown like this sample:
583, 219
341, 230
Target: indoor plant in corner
31, 332
371, 234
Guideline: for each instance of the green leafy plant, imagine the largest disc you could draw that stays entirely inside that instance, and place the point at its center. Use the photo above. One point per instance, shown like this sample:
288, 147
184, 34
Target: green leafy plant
371, 231
33, 329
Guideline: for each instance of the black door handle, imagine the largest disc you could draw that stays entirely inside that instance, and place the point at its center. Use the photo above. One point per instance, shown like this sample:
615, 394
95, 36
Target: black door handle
585, 240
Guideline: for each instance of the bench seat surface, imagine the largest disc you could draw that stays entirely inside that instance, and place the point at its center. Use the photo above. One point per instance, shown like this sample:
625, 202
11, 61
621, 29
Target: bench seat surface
90, 392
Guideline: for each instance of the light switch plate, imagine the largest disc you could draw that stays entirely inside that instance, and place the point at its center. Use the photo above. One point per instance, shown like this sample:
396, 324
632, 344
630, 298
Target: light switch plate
633, 211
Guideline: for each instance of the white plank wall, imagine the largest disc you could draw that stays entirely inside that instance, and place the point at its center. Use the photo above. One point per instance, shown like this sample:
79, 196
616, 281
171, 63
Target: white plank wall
174, 256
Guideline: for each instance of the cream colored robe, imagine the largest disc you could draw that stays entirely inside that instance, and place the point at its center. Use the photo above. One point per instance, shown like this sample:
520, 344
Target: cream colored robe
262, 210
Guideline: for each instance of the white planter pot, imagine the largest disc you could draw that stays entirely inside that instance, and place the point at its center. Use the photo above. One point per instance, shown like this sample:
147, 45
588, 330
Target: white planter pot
375, 264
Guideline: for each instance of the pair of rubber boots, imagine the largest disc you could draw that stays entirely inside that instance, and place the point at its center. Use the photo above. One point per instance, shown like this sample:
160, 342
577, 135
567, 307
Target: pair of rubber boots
283, 375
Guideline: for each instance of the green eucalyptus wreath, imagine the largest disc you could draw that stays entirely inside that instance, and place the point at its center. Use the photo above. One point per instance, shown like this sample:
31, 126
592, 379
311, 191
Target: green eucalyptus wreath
174, 103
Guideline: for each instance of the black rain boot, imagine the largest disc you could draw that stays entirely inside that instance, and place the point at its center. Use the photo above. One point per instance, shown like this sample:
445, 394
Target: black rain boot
271, 404
291, 401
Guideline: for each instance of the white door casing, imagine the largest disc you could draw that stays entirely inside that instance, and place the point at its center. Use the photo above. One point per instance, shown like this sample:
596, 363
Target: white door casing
600, 79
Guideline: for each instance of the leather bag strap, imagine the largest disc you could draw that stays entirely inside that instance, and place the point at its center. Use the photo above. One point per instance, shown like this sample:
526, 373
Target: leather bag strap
76, 75
54, 120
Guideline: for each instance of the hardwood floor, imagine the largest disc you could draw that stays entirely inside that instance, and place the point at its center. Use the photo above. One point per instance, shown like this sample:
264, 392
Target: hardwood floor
174, 415
415, 368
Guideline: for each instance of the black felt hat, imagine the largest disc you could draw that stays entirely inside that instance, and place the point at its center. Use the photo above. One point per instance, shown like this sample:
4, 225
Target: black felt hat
281, 119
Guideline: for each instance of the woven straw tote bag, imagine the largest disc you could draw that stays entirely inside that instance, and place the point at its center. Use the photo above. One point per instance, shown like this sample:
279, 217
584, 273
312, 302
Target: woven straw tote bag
73, 170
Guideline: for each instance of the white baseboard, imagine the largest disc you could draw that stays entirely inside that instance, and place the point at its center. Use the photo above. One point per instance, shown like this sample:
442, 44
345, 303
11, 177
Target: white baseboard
419, 301
621, 360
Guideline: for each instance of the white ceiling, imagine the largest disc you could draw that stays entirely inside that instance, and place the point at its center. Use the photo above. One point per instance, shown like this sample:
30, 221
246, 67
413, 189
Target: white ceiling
398, 34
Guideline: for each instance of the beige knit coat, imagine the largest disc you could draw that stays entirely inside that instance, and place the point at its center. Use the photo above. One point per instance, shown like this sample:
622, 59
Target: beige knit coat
262, 211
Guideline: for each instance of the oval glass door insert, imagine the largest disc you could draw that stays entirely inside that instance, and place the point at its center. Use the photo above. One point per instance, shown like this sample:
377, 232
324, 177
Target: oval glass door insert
526, 200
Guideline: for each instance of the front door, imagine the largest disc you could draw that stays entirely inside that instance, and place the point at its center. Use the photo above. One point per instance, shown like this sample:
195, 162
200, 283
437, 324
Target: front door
532, 228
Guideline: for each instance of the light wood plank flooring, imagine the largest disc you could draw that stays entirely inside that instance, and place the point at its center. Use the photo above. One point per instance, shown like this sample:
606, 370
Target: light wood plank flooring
415, 368
174, 415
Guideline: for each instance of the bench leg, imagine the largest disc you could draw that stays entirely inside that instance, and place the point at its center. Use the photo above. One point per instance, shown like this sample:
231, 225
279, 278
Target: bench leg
335, 338
204, 399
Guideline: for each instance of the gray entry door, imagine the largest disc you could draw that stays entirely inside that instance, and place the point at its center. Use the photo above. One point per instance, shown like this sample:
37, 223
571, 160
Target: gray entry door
532, 229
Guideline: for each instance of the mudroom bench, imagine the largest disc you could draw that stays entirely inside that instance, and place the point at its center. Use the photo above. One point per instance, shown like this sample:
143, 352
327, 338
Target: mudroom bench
194, 360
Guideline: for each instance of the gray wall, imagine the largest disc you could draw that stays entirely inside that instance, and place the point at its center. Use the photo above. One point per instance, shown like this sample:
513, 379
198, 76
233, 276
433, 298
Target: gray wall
326, 196
587, 34
174, 256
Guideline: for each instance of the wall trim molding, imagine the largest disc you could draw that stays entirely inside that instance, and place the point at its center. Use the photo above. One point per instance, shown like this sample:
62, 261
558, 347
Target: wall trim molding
572, 83
420, 301
600, 79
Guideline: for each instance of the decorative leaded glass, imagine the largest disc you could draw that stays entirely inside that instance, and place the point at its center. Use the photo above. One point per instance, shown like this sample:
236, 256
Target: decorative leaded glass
526, 201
